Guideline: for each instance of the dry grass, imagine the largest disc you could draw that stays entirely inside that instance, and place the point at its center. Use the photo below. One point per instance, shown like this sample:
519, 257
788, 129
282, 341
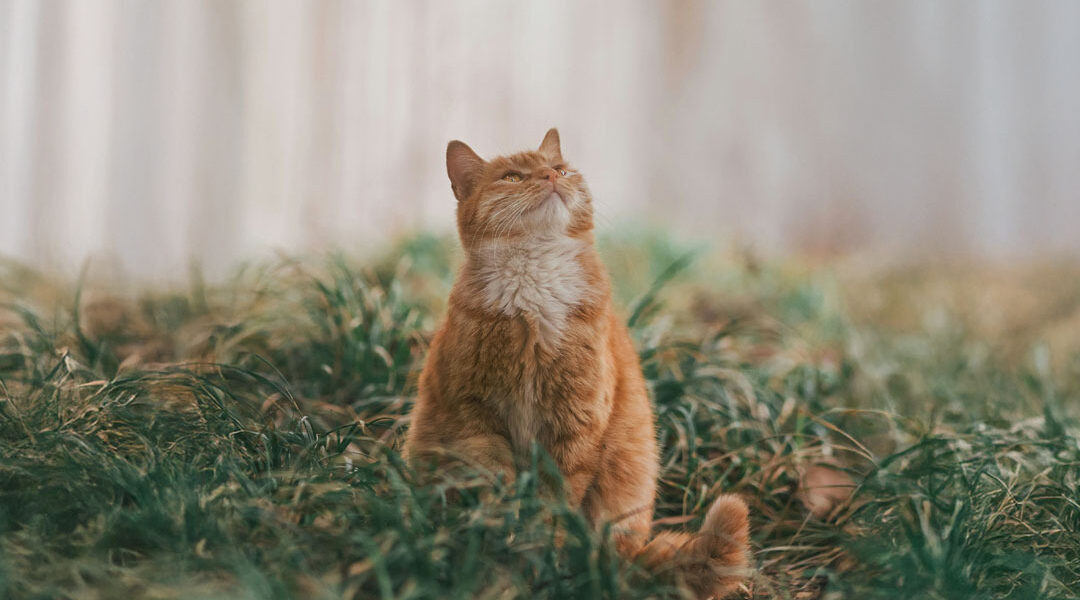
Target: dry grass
906, 432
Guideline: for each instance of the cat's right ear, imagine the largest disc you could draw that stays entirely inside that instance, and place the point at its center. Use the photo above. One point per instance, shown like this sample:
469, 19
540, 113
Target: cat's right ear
464, 168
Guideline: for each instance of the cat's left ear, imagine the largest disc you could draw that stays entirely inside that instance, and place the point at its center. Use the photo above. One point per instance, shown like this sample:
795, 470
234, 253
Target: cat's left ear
550, 145
464, 167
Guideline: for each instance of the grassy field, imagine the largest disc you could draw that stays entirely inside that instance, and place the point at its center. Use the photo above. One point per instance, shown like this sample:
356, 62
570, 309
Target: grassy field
903, 432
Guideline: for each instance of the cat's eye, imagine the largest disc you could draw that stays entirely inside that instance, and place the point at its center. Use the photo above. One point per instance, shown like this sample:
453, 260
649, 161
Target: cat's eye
562, 171
513, 177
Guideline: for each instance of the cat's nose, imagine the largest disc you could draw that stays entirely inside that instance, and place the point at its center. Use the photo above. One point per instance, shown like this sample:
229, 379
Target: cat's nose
549, 174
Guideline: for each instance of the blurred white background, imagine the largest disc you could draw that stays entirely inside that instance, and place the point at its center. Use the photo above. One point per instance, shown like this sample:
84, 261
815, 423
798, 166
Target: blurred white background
149, 132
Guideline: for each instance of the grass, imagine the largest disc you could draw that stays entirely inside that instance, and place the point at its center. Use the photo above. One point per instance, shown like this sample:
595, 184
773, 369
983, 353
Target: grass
898, 433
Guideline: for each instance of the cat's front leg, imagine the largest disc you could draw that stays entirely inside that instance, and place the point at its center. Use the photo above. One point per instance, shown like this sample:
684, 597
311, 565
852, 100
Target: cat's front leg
490, 453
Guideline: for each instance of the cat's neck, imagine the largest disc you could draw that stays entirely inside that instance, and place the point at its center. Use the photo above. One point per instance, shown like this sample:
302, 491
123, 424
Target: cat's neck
543, 277
484, 254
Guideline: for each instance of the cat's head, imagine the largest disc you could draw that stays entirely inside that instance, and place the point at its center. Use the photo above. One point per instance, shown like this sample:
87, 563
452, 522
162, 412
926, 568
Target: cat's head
509, 197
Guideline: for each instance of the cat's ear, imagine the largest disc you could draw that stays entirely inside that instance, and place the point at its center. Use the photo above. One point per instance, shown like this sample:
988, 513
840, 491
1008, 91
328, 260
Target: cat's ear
464, 167
550, 145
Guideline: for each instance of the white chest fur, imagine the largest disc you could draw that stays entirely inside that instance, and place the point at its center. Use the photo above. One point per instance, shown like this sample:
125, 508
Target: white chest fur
540, 276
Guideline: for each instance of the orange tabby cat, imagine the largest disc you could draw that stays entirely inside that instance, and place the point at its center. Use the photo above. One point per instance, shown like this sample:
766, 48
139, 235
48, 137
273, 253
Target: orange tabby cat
532, 351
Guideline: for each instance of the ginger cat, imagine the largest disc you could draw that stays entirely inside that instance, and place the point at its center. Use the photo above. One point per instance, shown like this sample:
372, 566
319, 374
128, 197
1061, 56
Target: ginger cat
532, 351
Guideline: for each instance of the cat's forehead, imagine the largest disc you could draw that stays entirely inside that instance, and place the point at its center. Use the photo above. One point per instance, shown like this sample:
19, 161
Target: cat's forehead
522, 160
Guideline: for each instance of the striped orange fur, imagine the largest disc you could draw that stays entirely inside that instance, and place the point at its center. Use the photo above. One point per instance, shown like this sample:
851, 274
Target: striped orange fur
532, 351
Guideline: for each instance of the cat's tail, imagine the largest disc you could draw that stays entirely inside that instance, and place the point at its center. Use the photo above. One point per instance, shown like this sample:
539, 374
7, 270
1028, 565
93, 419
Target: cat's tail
711, 562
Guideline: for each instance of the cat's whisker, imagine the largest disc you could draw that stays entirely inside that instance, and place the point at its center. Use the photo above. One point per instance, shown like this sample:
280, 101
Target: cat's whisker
507, 223
491, 222
494, 219
600, 210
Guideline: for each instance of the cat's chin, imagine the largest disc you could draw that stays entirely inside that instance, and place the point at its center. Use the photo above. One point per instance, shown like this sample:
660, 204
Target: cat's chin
555, 198
550, 215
